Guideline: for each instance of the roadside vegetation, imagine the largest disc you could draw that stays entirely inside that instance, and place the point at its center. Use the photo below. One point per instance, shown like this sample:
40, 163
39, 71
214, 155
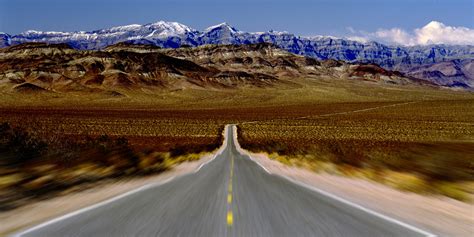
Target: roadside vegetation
422, 147
35, 166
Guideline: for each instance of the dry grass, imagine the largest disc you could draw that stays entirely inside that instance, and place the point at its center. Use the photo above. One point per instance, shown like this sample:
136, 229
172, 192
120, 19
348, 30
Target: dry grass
305, 125
425, 146
34, 167
302, 92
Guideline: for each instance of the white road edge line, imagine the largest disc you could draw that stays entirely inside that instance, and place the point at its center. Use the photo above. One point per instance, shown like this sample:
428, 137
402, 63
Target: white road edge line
88, 208
330, 195
242, 151
387, 218
107, 201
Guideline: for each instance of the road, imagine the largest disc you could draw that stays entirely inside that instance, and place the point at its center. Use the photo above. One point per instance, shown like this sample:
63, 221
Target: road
229, 196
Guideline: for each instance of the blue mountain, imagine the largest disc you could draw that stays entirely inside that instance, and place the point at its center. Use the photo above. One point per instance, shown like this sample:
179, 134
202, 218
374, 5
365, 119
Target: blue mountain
174, 35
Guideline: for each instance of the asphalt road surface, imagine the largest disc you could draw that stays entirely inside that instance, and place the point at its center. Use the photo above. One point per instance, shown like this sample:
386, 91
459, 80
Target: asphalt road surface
229, 196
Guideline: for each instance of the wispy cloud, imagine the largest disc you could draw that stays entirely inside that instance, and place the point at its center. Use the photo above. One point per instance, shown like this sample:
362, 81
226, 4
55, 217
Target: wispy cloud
395, 35
433, 33
361, 39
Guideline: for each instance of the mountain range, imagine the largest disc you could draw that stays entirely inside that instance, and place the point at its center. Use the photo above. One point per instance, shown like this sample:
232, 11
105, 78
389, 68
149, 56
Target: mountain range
448, 65
41, 67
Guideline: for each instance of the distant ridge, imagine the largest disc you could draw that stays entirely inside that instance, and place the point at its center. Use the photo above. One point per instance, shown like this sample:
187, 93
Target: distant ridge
173, 35
42, 67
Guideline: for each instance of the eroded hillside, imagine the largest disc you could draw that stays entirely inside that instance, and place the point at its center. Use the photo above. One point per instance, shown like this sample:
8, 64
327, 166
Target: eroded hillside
39, 67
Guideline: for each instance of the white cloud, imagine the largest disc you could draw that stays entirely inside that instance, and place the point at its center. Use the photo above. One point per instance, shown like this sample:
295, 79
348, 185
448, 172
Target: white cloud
439, 33
394, 35
350, 29
432, 33
359, 39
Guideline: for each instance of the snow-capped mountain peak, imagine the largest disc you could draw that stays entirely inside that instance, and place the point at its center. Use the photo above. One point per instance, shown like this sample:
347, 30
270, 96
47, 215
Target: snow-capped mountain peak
222, 26
164, 29
220, 34
321, 37
47, 33
174, 27
5, 39
173, 34
125, 28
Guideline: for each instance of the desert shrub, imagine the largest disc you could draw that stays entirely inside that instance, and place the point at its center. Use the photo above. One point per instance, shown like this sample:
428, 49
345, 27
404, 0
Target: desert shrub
416, 166
44, 165
196, 148
445, 162
452, 190
17, 146
406, 181
345, 152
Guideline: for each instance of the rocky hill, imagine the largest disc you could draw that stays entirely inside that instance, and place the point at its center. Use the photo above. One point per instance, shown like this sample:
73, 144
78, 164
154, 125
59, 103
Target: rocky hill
44, 67
453, 73
174, 35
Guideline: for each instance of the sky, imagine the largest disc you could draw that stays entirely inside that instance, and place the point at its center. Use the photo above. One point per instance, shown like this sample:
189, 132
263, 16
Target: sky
384, 20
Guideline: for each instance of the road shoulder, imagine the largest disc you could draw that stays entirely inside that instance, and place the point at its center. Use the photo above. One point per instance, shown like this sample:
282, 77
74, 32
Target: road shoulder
449, 217
44, 210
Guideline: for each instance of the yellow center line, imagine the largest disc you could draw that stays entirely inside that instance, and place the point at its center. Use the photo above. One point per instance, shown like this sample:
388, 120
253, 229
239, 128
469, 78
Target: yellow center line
230, 216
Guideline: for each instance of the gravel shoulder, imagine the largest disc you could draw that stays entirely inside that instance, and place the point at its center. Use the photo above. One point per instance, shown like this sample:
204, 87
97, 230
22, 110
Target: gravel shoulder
41, 211
440, 215
443, 216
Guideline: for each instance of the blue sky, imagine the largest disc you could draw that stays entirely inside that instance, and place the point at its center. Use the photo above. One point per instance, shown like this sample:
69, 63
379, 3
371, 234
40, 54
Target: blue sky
302, 17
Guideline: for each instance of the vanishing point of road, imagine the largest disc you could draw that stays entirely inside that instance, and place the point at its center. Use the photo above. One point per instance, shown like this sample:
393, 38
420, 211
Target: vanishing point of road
229, 196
